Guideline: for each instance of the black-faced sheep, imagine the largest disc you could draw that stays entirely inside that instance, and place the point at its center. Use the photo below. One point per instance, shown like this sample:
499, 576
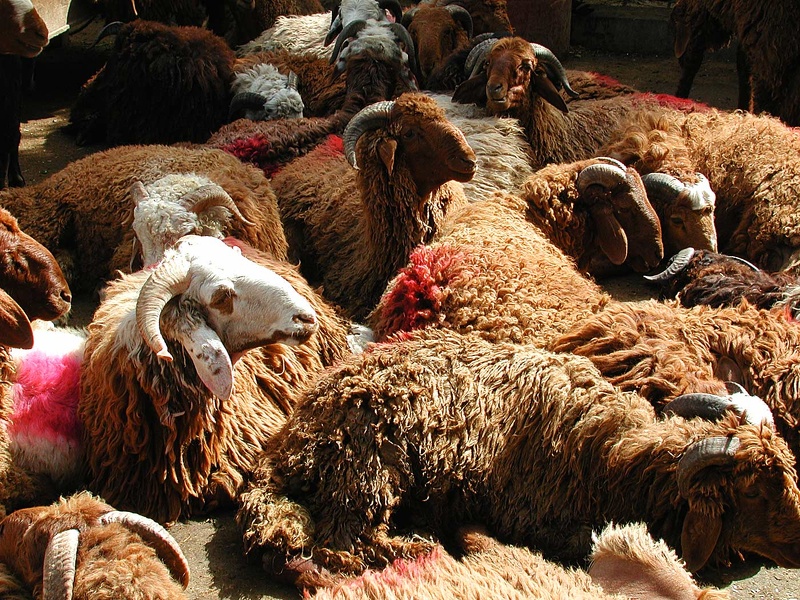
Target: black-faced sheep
81, 548
435, 429
207, 353
353, 218
22, 30
161, 84
625, 560
84, 208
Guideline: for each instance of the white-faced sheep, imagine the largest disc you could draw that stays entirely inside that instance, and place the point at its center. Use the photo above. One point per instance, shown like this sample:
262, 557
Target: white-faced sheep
190, 369
84, 208
161, 84
80, 548
262, 93
353, 218
435, 430
22, 30
625, 560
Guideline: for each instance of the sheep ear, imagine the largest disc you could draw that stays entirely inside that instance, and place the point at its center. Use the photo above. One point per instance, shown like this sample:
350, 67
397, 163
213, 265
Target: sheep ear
472, 91
728, 370
386, 150
612, 238
15, 327
545, 88
698, 538
210, 358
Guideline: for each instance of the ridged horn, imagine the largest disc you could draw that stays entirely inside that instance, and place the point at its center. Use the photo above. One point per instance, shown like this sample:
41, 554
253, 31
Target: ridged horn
477, 56
714, 451
208, 196
394, 7
676, 264
462, 17
157, 538
662, 185
554, 68
607, 175
401, 33
706, 406
368, 118
612, 161
244, 101
352, 29
170, 278
335, 27
291, 80
59, 565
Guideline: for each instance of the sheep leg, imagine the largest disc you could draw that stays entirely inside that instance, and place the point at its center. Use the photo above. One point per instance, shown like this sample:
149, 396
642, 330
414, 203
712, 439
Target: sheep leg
690, 63
15, 178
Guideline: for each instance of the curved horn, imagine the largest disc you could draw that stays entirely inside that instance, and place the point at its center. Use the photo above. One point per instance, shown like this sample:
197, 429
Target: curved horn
351, 30
477, 56
462, 17
59, 565
408, 16
744, 262
715, 451
208, 196
373, 116
244, 101
663, 185
156, 537
401, 33
612, 161
676, 264
291, 80
607, 175
170, 278
335, 27
110, 29
554, 68
706, 406
394, 7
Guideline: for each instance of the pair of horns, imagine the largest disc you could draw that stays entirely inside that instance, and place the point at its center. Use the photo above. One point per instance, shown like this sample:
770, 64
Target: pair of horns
400, 32
393, 6
62, 552
459, 13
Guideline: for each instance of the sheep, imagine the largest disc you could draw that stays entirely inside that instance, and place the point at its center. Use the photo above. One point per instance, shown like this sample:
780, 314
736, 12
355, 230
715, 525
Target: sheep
160, 84
22, 30
488, 16
263, 93
622, 557
81, 548
82, 209
253, 17
752, 163
436, 428
209, 376
352, 219
770, 51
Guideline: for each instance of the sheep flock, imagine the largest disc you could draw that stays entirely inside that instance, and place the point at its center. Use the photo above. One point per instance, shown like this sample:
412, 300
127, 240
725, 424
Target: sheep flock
347, 267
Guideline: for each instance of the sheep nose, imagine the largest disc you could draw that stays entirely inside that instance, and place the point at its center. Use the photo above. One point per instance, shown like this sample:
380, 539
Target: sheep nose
496, 91
305, 318
66, 296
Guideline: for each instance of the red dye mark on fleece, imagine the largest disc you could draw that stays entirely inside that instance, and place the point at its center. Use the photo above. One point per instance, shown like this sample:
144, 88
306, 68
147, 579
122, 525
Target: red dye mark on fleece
256, 150
416, 295
605, 80
673, 102
332, 147
46, 398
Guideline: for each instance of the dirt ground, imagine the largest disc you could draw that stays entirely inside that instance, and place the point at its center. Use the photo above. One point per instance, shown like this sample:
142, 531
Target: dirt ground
213, 546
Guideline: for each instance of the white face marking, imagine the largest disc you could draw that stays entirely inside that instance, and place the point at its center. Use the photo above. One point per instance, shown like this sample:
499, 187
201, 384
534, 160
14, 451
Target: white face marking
20, 8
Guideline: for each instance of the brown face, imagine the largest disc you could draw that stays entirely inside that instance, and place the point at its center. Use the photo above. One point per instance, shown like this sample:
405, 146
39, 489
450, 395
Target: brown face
508, 79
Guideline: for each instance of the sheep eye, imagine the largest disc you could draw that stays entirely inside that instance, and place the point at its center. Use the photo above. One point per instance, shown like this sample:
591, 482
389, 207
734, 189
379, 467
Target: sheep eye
408, 134
676, 221
752, 493
525, 67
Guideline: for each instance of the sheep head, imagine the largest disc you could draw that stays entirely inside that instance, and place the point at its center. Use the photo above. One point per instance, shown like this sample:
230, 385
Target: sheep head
30, 274
505, 74
742, 496
437, 32
488, 16
414, 134
23, 31
686, 211
361, 10
225, 305
389, 39
41, 543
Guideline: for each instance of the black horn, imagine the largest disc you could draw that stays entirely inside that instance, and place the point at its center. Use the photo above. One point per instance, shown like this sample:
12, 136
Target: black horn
706, 406
462, 17
373, 116
245, 101
477, 56
555, 70
402, 35
715, 451
676, 264
348, 32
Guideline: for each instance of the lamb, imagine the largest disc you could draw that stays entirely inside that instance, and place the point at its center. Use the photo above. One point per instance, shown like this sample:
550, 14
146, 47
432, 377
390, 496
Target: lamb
161, 84
624, 560
435, 429
81, 548
400, 156
211, 375
22, 30
263, 93
82, 210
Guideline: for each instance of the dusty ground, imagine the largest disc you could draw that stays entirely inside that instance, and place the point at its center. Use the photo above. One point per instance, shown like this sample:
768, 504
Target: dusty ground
213, 545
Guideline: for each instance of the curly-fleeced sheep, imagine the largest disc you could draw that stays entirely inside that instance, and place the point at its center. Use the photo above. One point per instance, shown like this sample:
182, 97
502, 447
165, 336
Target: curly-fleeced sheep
625, 560
263, 93
435, 430
352, 219
161, 84
80, 548
205, 378
83, 209
22, 30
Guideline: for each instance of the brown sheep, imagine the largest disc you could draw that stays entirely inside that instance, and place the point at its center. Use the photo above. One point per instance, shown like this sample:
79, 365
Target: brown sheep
208, 382
84, 209
352, 219
625, 560
435, 429
22, 30
488, 16
82, 549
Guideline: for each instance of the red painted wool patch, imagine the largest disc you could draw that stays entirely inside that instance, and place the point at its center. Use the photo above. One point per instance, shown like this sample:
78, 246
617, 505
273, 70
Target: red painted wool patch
673, 102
